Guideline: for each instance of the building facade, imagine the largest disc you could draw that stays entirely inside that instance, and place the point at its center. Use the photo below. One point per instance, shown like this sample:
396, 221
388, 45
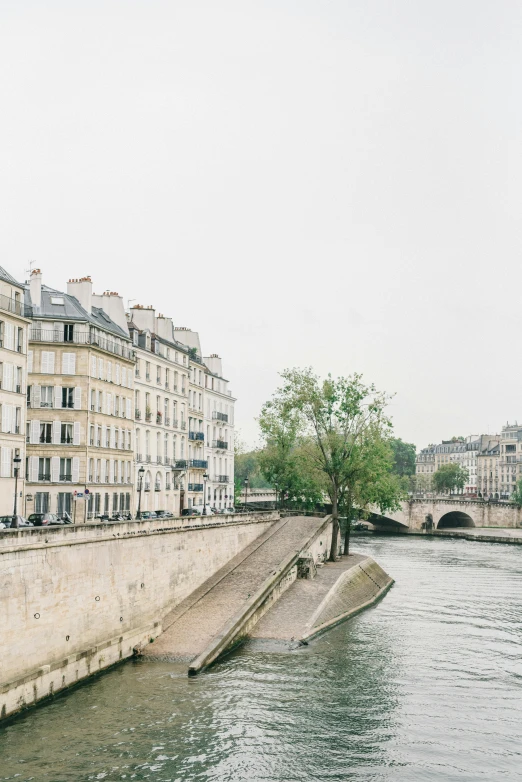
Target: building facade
509, 460
80, 427
219, 431
487, 467
161, 399
460, 450
14, 325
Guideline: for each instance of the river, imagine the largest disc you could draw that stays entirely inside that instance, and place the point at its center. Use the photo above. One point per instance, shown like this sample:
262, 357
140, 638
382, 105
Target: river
427, 685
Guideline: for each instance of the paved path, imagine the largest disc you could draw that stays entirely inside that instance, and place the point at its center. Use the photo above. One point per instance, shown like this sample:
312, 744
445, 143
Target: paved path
199, 618
290, 617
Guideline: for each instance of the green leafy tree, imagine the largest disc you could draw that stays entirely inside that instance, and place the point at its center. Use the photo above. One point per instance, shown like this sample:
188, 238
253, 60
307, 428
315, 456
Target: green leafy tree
338, 419
450, 477
403, 456
517, 494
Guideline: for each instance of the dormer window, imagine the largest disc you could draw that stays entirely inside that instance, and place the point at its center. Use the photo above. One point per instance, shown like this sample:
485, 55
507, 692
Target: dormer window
134, 337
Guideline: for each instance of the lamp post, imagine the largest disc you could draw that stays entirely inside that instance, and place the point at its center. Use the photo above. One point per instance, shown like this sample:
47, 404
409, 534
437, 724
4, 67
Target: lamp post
205, 479
16, 462
246, 494
141, 473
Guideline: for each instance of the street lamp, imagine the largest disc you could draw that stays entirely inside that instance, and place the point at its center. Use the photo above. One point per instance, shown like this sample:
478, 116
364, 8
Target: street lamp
246, 494
205, 479
141, 473
16, 462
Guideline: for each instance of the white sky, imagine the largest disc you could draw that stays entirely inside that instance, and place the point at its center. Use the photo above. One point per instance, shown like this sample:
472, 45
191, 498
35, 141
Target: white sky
317, 182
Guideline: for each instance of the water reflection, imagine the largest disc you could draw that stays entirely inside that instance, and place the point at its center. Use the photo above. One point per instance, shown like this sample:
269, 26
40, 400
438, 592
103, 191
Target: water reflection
425, 686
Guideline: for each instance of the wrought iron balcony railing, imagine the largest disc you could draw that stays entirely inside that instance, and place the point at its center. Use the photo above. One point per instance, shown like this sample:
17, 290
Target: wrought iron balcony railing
81, 338
219, 416
220, 444
195, 487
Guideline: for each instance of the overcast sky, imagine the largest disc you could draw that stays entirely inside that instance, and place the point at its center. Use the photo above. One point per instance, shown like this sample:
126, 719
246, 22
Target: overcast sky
318, 182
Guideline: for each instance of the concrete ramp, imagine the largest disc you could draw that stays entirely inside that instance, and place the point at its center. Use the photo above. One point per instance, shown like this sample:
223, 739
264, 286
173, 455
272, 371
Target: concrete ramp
226, 607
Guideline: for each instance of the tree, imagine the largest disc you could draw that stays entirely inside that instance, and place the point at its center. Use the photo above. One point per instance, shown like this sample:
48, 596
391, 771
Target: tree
517, 494
449, 477
337, 421
403, 457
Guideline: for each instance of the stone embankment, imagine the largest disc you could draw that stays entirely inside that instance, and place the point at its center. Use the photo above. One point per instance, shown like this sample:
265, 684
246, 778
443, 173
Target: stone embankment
339, 591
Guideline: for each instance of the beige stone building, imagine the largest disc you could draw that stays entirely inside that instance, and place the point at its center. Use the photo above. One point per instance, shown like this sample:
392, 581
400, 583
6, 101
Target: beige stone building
80, 428
509, 460
487, 466
161, 399
13, 373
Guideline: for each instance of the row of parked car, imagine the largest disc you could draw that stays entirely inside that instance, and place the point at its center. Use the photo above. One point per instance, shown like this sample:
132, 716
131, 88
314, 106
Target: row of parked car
47, 519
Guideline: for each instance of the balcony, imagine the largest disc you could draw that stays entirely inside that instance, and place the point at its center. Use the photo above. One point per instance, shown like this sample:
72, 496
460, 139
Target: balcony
46, 404
66, 440
197, 436
146, 487
222, 478
198, 464
157, 487
220, 444
16, 307
181, 464
167, 421
175, 423
66, 476
183, 424
159, 460
148, 458
195, 487
44, 476
159, 418
219, 416
137, 415
81, 338
148, 417
166, 460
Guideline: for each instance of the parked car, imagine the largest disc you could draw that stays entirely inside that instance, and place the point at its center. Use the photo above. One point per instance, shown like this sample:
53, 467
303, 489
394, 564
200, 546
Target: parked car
43, 519
148, 514
208, 511
6, 522
163, 514
190, 512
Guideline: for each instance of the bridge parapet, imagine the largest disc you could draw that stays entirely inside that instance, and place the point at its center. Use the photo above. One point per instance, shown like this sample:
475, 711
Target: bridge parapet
420, 514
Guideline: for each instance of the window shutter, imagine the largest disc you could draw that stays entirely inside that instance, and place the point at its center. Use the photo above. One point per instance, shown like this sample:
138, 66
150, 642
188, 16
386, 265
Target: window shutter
117, 374
4, 466
111, 470
57, 397
109, 371
123, 376
75, 469
104, 402
109, 404
100, 368
128, 407
57, 430
35, 432
69, 364
93, 366
5, 418
51, 363
33, 468
11, 418
8, 377
35, 395
55, 469
77, 398
104, 435
76, 433
9, 336
112, 437
44, 362
30, 360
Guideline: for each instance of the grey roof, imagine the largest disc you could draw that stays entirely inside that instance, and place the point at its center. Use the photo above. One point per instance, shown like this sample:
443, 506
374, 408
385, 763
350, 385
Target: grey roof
71, 309
6, 277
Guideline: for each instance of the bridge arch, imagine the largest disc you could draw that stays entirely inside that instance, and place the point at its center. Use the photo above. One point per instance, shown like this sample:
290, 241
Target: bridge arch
455, 518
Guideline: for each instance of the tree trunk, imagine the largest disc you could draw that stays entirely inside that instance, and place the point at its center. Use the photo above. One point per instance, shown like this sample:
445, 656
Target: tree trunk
348, 529
335, 528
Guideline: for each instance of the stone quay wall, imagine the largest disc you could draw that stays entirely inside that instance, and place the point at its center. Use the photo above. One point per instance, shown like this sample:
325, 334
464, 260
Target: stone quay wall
77, 599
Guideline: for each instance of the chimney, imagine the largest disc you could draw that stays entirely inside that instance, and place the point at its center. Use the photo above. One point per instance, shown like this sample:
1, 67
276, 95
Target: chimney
144, 317
82, 290
35, 287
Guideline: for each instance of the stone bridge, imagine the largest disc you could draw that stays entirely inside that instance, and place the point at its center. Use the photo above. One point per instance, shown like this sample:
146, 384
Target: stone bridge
429, 514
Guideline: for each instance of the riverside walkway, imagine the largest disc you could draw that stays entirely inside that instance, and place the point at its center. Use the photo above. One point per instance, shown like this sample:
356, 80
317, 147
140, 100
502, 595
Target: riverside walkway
195, 624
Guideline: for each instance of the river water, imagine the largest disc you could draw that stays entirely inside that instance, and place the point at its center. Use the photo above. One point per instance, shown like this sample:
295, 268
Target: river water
427, 685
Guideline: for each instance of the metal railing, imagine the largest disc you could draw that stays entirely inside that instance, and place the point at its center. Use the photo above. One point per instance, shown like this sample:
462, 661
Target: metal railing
175, 423
198, 464
81, 338
196, 436
167, 421
66, 476
15, 306
44, 476
220, 444
137, 415
195, 487
157, 487
219, 416
146, 487
222, 478
183, 425
181, 464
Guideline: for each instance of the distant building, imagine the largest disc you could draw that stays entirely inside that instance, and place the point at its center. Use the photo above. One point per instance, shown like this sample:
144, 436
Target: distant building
487, 466
459, 450
509, 459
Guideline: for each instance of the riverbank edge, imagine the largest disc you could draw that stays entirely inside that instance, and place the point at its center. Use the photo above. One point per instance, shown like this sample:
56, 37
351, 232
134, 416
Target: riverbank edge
513, 539
321, 629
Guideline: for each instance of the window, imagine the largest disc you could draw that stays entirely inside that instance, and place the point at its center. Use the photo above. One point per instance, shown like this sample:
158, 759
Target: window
65, 502
68, 332
158, 375
46, 396
45, 433
2, 332
20, 341
66, 434
68, 363
44, 469
68, 398
147, 370
47, 363
41, 501
66, 469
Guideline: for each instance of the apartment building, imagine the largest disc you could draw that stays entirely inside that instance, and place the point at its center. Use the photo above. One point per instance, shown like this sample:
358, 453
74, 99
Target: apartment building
161, 403
487, 466
14, 325
509, 460
219, 430
460, 450
80, 427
